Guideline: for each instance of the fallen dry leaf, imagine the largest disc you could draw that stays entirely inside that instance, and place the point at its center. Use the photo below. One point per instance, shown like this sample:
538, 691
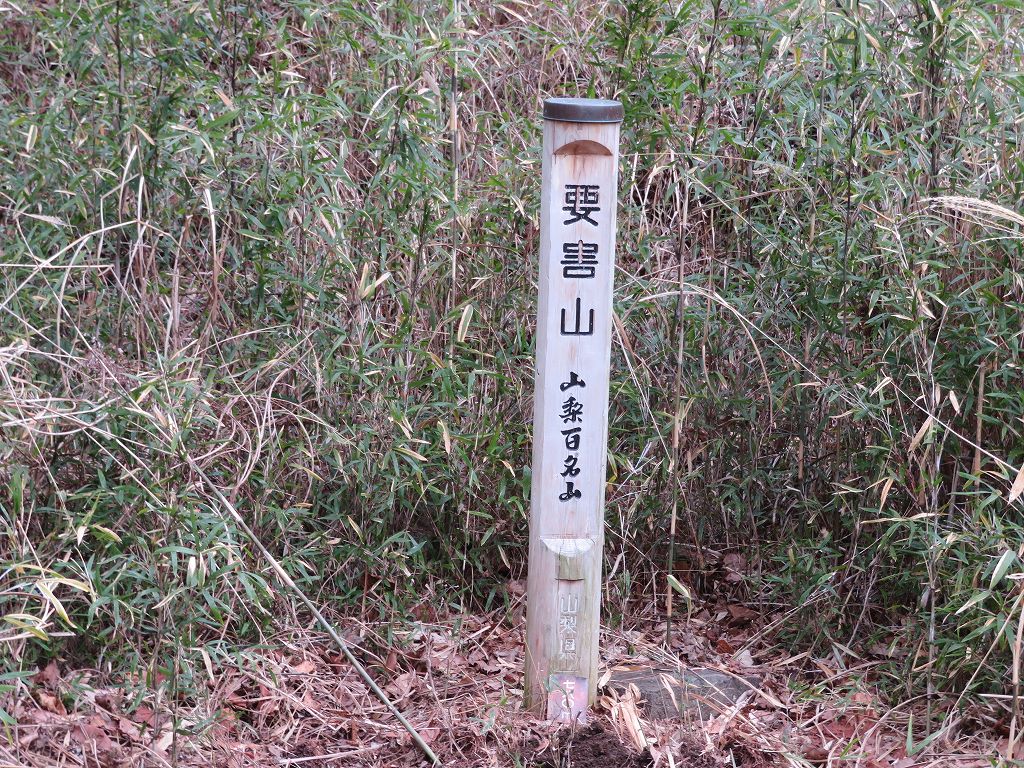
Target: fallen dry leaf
51, 703
740, 613
305, 667
48, 676
164, 740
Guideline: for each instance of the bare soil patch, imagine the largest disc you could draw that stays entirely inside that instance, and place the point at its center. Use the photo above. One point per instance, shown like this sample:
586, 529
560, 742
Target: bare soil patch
593, 746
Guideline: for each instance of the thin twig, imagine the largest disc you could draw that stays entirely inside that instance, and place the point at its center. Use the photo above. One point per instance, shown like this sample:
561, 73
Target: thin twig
328, 627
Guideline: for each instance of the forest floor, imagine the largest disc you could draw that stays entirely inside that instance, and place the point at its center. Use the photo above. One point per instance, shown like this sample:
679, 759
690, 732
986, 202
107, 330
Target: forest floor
294, 701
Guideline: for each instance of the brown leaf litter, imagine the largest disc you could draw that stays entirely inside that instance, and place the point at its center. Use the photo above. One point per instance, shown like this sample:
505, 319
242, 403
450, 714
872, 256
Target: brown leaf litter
458, 682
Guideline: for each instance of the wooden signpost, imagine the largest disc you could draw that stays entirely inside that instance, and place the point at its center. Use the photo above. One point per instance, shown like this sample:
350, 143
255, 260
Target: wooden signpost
577, 259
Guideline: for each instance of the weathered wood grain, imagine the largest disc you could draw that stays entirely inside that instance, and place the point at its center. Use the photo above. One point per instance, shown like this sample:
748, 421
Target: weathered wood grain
577, 252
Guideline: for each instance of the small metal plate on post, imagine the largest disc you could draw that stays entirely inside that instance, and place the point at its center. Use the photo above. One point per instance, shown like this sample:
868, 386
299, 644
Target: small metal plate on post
567, 699
583, 110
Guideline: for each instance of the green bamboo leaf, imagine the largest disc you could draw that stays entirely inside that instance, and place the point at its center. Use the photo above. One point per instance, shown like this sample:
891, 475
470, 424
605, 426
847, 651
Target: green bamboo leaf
975, 599
1002, 567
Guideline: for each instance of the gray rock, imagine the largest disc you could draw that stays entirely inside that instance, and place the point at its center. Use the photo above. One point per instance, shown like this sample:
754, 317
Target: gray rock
693, 692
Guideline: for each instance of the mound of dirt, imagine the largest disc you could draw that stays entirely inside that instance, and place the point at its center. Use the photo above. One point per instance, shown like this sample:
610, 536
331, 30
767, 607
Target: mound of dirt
592, 747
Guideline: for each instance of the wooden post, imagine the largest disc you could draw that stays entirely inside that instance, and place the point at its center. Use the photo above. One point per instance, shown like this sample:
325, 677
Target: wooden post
570, 421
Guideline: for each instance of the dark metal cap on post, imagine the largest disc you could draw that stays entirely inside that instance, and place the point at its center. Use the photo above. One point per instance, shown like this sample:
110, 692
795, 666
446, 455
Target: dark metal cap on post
583, 110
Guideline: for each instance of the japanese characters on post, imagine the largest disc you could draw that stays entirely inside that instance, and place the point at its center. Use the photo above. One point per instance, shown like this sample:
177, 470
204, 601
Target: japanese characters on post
577, 259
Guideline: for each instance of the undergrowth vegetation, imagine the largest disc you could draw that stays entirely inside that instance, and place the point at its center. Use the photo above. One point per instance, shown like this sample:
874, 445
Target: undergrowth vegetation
294, 245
